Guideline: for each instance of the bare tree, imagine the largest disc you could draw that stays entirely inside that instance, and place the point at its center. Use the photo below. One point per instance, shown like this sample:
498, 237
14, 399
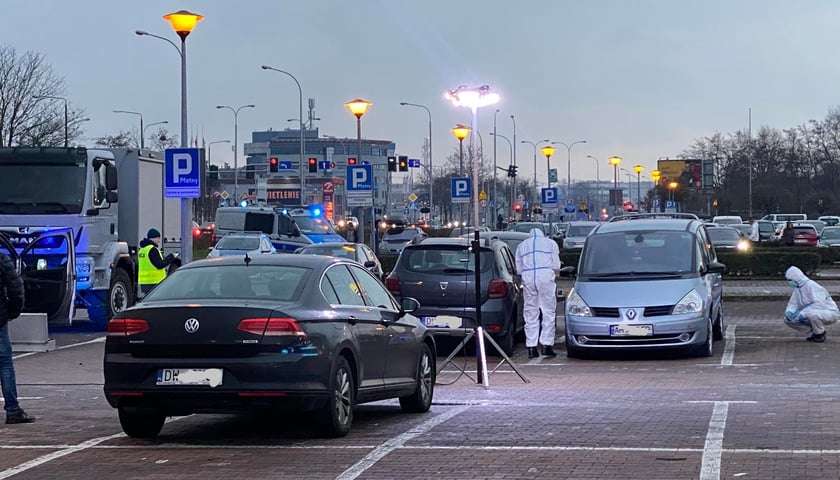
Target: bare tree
26, 116
123, 139
161, 140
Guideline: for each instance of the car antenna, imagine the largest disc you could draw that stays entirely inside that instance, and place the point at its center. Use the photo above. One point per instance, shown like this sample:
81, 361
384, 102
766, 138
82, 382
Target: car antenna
247, 259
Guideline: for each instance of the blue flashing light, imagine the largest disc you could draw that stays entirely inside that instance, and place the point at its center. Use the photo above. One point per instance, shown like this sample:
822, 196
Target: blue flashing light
316, 212
243, 203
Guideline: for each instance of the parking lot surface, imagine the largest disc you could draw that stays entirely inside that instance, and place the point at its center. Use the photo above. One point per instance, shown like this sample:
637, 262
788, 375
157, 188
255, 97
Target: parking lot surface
765, 406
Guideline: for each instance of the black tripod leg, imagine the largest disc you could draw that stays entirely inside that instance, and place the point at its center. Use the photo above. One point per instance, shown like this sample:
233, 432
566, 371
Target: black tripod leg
458, 349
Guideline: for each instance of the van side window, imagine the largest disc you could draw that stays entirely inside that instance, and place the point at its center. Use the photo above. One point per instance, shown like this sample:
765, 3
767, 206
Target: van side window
259, 222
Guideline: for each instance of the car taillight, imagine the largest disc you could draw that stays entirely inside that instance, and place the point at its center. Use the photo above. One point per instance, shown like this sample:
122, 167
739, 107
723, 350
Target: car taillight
497, 289
196, 232
393, 284
123, 327
272, 327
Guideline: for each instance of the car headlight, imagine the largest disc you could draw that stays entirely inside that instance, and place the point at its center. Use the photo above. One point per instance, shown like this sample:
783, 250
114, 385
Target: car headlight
690, 303
576, 306
743, 245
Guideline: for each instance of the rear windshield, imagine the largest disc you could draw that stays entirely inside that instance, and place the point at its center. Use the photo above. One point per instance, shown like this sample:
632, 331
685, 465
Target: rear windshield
804, 231
345, 251
238, 243
830, 233
526, 227
268, 282
639, 252
403, 234
579, 230
830, 221
766, 227
722, 234
446, 260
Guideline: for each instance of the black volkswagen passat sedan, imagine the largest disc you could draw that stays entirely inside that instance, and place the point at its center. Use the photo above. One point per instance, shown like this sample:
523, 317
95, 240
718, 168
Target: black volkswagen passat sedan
273, 332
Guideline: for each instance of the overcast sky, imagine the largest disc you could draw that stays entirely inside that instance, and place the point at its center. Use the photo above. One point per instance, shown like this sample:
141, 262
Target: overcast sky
639, 79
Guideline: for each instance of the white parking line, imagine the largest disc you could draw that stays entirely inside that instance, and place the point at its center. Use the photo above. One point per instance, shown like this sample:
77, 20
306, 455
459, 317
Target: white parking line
72, 345
713, 448
729, 349
36, 462
397, 442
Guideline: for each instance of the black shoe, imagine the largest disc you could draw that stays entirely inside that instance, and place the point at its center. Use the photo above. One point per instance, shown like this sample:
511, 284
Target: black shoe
548, 352
533, 352
19, 416
810, 338
819, 338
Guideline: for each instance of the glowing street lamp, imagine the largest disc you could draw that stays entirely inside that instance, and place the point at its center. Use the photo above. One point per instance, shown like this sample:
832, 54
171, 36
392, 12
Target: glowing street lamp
473, 98
671, 187
638, 169
615, 161
548, 151
358, 107
461, 132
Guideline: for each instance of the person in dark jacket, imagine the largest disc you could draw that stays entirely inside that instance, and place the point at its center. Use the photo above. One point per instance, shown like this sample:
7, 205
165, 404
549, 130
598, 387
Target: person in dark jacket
787, 235
151, 264
10, 306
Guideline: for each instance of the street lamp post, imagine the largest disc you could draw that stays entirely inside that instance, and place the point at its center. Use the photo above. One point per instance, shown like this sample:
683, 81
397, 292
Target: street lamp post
495, 167
143, 131
142, 145
536, 185
183, 23
597, 177
461, 132
300, 115
513, 119
235, 144
615, 161
358, 107
431, 179
510, 144
638, 169
66, 119
569, 164
654, 175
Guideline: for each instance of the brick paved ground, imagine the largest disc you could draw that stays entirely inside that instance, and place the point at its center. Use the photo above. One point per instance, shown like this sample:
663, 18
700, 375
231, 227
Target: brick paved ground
773, 413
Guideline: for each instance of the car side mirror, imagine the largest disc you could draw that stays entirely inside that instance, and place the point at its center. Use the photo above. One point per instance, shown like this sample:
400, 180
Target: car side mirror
370, 264
111, 177
111, 197
715, 267
409, 305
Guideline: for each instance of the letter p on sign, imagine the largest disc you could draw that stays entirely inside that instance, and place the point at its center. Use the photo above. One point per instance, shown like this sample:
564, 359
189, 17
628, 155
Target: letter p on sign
359, 177
182, 166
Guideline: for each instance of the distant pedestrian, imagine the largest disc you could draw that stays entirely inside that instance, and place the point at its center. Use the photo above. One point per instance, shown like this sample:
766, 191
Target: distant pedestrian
787, 235
151, 264
350, 233
11, 304
810, 307
537, 262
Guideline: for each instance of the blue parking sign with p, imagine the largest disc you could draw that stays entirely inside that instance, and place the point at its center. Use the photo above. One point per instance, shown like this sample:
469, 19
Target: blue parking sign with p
182, 173
461, 189
549, 196
359, 178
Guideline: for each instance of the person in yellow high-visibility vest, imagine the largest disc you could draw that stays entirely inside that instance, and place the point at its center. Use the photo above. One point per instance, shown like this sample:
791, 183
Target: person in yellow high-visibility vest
151, 264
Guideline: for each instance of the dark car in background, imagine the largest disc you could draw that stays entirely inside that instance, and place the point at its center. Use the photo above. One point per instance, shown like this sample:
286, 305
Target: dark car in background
440, 274
727, 238
805, 235
268, 334
358, 252
830, 237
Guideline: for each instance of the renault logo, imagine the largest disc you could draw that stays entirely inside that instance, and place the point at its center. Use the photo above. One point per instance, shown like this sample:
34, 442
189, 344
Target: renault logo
443, 285
191, 325
631, 314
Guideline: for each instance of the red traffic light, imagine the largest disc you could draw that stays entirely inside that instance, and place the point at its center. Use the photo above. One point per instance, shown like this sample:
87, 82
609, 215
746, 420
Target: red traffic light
351, 160
273, 164
313, 164
517, 207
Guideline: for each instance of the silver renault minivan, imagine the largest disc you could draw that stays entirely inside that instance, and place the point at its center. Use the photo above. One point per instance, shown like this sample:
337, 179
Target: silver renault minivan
645, 284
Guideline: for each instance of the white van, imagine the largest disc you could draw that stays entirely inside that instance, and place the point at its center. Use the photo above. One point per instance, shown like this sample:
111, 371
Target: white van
785, 217
288, 228
727, 220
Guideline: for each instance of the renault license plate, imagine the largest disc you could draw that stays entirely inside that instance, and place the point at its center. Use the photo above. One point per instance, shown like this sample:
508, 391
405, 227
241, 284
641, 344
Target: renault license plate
625, 330
211, 377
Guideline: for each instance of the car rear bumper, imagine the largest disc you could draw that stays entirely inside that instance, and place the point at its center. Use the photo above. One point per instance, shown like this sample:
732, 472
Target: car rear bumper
494, 317
295, 381
675, 331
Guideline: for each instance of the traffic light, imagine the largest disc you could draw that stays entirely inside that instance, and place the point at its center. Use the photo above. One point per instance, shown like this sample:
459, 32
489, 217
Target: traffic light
517, 207
403, 163
351, 160
512, 171
273, 164
332, 165
313, 165
213, 174
392, 164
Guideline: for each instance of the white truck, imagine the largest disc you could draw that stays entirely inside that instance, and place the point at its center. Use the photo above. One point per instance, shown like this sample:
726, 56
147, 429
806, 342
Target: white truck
74, 238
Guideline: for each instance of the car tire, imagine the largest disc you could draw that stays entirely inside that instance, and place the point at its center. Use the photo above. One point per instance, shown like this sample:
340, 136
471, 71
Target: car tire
706, 348
421, 400
337, 414
571, 351
141, 424
719, 325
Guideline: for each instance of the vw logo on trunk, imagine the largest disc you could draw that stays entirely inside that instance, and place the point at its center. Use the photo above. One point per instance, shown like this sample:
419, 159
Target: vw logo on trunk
631, 314
443, 285
191, 325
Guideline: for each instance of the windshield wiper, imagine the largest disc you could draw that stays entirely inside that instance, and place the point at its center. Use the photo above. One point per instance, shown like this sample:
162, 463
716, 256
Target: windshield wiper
61, 208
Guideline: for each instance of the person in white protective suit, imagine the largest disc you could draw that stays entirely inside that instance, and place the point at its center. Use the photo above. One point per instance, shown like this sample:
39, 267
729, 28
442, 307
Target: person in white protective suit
810, 307
537, 261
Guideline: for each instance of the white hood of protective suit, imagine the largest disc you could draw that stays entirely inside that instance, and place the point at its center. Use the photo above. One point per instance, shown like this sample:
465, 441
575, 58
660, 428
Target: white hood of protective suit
537, 257
810, 299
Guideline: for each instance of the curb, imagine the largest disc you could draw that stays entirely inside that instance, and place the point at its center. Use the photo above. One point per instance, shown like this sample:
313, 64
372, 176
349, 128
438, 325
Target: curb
755, 298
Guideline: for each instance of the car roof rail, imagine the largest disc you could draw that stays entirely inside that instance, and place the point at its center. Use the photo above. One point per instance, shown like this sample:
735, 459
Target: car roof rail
654, 215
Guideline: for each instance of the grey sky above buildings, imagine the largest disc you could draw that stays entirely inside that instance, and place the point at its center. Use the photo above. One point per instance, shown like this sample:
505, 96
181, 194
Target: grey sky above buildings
639, 79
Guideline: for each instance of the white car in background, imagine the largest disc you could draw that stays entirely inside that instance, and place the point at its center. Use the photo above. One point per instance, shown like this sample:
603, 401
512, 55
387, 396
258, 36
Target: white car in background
240, 243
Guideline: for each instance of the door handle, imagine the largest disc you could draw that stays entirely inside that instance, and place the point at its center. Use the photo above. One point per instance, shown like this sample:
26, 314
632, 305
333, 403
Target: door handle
352, 320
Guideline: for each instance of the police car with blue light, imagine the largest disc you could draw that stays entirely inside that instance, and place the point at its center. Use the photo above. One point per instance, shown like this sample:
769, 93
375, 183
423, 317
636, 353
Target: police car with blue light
288, 227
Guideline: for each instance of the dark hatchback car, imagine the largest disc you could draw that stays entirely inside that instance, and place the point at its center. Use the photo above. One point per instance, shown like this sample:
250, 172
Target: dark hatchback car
354, 251
270, 333
440, 274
